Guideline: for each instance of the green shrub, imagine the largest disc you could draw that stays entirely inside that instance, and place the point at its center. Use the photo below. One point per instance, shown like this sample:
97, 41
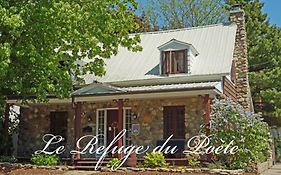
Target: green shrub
230, 122
44, 159
216, 165
193, 162
113, 163
153, 160
8, 159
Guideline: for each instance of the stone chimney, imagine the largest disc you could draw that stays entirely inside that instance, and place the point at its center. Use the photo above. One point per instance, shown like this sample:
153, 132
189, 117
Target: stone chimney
237, 16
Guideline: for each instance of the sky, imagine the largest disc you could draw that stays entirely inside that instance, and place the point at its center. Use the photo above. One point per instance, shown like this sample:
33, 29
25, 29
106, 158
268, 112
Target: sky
273, 9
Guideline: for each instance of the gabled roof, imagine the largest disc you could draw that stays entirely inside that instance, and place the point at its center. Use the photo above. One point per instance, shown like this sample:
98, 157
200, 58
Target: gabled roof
215, 43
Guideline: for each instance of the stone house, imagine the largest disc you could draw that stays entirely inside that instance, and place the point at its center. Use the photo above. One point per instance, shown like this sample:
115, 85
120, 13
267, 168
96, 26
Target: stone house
165, 89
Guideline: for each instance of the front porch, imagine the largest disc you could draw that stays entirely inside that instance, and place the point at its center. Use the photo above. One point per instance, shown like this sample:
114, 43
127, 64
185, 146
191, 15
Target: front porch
143, 119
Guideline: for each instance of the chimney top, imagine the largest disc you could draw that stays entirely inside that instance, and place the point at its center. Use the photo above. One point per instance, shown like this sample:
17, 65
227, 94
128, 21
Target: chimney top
236, 8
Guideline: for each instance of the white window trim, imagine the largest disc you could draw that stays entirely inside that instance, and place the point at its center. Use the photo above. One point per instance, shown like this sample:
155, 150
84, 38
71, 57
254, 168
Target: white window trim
105, 122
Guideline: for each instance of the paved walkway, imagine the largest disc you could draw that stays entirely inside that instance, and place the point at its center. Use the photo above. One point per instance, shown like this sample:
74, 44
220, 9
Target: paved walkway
275, 170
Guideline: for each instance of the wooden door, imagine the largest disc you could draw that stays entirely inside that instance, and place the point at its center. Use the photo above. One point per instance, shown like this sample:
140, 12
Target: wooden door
112, 125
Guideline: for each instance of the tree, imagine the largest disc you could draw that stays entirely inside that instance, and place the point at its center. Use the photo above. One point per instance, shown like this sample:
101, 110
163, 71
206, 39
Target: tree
40, 42
171, 14
264, 54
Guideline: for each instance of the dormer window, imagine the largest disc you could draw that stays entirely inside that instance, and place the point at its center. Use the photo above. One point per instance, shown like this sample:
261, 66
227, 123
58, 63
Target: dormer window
174, 62
176, 57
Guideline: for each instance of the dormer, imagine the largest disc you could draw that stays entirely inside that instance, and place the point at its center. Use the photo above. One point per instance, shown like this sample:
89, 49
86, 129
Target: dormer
176, 57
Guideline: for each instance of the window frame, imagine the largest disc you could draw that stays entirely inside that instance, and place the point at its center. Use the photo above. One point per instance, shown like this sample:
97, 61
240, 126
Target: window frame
55, 127
170, 64
174, 124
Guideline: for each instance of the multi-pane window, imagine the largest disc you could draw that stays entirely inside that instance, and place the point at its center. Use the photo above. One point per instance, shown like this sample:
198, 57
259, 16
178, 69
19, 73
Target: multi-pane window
174, 122
101, 129
128, 126
174, 62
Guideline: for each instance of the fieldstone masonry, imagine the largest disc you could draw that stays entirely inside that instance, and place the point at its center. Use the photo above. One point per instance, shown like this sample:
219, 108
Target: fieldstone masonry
240, 56
35, 121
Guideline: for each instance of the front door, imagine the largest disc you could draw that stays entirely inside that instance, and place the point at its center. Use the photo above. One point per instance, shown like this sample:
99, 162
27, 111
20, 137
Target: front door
112, 126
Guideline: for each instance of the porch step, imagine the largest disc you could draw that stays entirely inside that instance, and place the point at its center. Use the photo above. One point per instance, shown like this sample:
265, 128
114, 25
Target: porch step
89, 164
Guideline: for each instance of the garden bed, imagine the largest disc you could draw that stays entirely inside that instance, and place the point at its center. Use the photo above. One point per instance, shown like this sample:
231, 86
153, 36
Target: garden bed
16, 167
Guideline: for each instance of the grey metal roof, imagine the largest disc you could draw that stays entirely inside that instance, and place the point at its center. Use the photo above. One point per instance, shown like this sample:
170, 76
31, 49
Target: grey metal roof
184, 86
96, 89
215, 44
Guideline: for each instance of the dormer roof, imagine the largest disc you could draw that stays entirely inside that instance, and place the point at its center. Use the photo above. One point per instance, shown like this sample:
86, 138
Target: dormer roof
175, 44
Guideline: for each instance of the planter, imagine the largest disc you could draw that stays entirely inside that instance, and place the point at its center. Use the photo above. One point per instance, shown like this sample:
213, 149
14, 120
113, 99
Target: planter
132, 160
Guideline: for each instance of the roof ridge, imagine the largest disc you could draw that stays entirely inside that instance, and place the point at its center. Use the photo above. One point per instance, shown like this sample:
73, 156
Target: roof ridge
182, 29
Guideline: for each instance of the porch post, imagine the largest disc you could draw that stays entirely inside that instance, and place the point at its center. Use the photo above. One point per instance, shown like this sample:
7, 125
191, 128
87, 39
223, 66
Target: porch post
207, 108
77, 126
120, 104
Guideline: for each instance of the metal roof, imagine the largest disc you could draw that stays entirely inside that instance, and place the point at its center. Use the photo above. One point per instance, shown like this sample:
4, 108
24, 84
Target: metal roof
215, 44
97, 89
184, 86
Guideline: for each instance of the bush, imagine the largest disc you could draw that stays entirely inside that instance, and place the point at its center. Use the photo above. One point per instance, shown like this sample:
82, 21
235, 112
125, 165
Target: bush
193, 162
44, 159
216, 165
153, 160
113, 163
230, 122
8, 159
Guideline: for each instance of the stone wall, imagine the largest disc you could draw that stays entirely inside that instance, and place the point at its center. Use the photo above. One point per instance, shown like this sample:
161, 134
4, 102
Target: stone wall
150, 117
35, 121
240, 55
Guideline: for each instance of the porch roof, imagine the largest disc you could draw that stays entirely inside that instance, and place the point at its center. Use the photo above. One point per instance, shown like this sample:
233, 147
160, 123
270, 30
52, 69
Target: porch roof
100, 89
97, 89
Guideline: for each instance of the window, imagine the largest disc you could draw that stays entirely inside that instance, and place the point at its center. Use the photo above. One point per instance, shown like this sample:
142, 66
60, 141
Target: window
100, 128
174, 122
128, 127
58, 124
174, 62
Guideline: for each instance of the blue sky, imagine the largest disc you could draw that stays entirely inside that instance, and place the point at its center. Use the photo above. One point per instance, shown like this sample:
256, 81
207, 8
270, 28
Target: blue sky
273, 9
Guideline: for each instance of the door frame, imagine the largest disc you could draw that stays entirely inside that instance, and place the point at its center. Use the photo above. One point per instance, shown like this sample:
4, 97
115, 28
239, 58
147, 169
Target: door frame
105, 122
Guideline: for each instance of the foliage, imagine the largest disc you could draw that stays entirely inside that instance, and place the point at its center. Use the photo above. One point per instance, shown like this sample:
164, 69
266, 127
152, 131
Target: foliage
184, 13
153, 160
8, 159
5, 140
41, 41
264, 54
277, 144
216, 165
193, 158
230, 122
45, 159
113, 163
193, 162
